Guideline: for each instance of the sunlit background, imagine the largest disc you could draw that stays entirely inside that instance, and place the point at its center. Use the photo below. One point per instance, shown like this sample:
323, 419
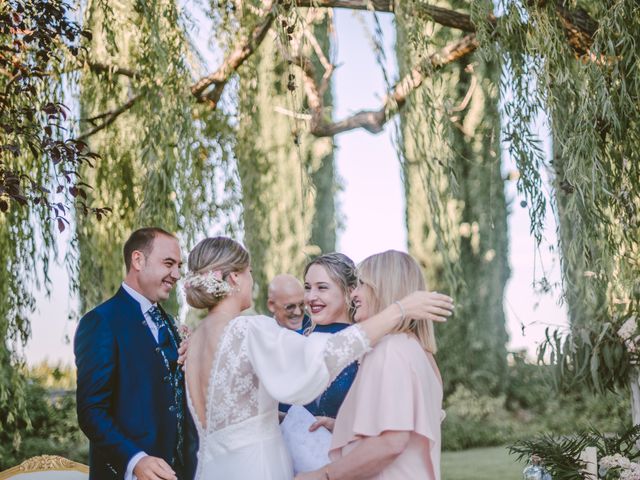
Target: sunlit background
371, 206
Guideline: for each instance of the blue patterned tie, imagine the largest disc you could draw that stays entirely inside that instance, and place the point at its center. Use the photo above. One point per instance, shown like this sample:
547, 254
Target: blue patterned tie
168, 345
165, 339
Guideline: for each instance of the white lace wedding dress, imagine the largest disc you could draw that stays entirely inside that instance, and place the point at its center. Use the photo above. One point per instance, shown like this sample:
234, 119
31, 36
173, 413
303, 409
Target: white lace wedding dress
258, 364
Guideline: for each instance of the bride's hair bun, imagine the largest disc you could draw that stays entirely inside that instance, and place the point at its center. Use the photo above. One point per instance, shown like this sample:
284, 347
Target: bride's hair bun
210, 263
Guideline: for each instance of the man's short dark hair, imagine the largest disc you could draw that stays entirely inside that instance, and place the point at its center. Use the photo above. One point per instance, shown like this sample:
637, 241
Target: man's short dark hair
141, 240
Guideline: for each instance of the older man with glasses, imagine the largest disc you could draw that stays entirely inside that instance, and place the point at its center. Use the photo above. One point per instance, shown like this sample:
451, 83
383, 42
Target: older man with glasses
286, 302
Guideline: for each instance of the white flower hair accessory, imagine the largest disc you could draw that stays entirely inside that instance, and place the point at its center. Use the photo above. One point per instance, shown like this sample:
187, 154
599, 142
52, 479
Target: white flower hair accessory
211, 281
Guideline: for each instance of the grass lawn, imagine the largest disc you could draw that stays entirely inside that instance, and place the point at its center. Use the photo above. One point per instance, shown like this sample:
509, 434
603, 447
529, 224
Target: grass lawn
480, 464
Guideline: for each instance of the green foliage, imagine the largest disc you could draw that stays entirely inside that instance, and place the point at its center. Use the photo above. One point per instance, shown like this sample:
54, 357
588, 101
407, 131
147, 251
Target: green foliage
528, 386
456, 211
595, 357
530, 407
475, 421
39, 178
562, 455
56, 377
50, 427
34, 153
155, 150
287, 175
591, 102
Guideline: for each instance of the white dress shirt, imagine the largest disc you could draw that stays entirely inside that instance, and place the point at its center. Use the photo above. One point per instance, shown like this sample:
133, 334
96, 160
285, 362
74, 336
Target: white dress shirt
145, 305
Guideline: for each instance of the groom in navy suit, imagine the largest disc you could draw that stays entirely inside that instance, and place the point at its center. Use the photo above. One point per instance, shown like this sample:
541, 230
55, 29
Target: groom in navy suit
131, 391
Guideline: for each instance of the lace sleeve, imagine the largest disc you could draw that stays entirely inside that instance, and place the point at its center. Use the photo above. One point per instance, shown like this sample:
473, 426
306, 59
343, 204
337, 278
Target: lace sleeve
296, 369
345, 347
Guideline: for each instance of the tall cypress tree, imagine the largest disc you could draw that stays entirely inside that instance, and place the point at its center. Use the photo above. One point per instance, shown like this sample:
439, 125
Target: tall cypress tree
287, 175
450, 133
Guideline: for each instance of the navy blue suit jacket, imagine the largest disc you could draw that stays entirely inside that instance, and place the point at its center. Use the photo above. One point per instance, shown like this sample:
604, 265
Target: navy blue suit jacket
124, 397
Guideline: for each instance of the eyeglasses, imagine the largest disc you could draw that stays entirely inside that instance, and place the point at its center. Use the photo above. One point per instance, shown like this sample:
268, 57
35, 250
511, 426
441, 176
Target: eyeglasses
291, 308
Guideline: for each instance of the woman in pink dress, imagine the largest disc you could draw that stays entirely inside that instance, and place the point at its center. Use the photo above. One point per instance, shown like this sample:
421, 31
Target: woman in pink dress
388, 427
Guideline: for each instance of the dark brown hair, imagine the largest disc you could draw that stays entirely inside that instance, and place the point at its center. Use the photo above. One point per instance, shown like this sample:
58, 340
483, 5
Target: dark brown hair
142, 241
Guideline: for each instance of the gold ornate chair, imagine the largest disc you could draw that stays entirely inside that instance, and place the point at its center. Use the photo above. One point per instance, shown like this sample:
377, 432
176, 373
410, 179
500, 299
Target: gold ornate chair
47, 467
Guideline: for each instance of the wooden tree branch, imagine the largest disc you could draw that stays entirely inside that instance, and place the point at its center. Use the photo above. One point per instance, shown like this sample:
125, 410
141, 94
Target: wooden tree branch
443, 16
578, 25
579, 28
104, 68
234, 60
374, 120
376, 5
109, 117
218, 79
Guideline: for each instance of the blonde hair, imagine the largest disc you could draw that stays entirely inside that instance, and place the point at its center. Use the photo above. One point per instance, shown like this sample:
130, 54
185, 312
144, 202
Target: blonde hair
393, 275
214, 254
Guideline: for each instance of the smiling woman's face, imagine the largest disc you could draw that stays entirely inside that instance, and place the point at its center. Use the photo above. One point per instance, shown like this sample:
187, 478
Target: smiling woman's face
362, 297
325, 301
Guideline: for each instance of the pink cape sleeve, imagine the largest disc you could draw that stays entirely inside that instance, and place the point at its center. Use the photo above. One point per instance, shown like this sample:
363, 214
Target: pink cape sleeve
396, 388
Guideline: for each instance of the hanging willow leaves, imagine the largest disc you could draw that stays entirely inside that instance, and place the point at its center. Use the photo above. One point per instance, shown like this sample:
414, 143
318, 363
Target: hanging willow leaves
455, 205
145, 172
39, 180
592, 102
171, 130
287, 175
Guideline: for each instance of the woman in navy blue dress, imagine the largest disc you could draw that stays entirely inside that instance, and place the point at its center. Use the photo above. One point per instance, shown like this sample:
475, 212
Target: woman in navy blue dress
328, 282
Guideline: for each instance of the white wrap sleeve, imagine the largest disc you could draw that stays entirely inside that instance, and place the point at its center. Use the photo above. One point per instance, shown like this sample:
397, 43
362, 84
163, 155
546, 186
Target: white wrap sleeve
296, 369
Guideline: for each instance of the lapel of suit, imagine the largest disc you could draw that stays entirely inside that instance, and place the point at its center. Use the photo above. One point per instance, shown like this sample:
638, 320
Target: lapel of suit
137, 324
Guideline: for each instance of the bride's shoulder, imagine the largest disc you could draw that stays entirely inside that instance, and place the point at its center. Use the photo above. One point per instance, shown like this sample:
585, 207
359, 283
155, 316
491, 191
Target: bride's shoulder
253, 321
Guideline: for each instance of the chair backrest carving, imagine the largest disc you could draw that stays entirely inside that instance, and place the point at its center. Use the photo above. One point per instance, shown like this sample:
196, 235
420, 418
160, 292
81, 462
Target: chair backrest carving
45, 467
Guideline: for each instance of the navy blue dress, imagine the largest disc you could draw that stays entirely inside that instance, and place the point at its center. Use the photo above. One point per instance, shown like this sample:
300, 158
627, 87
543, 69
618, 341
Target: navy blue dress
328, 404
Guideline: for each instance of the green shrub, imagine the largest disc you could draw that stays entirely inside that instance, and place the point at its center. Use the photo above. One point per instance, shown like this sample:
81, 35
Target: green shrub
474, 420
530, 407
52, 428
528, 385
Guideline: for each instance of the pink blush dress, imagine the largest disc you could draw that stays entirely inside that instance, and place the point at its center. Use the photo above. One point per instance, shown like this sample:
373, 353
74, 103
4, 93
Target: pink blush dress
397, 388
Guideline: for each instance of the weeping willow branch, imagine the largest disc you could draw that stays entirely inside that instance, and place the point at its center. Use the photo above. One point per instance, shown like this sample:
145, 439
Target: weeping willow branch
374, 120
578, 25
218, 79
114, 70
443, 16
109, 117
240, 53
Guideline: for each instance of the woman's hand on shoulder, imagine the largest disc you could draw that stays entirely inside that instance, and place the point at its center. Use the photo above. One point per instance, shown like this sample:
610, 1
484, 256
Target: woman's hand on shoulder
185, 333
326, 422
182, 351
423, 305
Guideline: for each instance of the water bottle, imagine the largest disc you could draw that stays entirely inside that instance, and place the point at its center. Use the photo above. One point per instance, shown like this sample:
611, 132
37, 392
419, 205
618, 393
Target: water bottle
534, 471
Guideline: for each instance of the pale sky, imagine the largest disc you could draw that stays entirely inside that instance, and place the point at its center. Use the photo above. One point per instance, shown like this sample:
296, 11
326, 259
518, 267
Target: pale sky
371, 204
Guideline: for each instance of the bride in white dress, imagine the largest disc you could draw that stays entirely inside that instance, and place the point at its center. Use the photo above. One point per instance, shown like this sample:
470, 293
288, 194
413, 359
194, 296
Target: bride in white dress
239, 367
